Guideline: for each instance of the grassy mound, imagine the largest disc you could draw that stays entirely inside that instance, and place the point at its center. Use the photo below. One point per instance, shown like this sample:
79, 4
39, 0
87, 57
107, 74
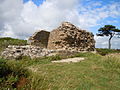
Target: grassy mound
4, 42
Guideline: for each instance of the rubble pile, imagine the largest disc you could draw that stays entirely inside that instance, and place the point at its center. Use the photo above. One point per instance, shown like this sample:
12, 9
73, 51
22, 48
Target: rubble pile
17, 52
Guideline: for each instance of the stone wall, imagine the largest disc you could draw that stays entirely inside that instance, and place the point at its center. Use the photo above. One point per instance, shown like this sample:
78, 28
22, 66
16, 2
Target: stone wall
69, 37
39, 38
17, 52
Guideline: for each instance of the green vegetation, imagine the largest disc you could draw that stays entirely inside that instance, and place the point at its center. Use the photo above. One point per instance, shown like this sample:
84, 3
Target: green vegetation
10, 74
4, 42
96, 72
104, 52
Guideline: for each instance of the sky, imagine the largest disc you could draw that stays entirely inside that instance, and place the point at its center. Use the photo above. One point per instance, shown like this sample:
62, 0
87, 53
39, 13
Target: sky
21, 18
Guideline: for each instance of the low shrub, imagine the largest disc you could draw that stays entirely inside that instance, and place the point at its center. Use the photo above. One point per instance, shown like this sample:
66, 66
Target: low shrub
104, 52
10, 74
4, 68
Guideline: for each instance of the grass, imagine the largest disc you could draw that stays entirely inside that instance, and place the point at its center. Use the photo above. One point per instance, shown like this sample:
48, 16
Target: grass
4, 42
96, 72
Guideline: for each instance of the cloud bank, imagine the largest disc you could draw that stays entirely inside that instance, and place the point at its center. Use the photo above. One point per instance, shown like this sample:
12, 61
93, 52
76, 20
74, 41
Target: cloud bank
20, 20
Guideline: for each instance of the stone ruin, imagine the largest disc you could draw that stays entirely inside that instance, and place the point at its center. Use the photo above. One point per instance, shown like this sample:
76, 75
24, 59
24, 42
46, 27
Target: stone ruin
71, 38
67, 37
39, 38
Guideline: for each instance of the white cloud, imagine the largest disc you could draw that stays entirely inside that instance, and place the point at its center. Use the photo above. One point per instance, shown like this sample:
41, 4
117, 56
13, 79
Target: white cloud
8, 31
22, 20
50, 14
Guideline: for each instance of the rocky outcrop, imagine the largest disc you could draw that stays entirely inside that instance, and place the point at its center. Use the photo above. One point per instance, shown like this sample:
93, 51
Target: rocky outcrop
39, 38
71, 38
17, 52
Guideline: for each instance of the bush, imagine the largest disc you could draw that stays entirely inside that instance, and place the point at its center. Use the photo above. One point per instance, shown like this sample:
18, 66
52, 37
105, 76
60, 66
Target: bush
10, 74
4, 69
107, 51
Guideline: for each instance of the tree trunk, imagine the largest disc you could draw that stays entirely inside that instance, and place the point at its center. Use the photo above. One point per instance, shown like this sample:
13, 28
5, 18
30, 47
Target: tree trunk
110, 42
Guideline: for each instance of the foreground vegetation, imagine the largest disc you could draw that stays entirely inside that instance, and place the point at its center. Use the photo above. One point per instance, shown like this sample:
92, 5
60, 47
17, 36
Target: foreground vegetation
96, 72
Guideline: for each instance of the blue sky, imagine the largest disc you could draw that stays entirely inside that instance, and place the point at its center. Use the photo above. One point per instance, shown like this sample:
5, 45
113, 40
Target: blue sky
37, 2
21, 18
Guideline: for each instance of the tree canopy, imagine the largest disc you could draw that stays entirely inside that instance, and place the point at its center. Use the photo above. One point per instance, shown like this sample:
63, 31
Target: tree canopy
108, 30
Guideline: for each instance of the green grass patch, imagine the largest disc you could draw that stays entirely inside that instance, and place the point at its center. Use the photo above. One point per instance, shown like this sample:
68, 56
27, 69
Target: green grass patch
95, 73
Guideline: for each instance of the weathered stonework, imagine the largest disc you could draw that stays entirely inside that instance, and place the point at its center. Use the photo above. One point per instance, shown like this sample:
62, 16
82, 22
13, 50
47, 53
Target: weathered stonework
39, 38
17, 52
71, 38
